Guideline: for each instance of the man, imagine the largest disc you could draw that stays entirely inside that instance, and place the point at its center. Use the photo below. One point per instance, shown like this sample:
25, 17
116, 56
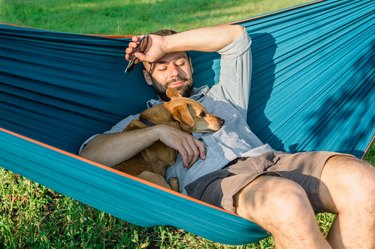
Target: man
232, 168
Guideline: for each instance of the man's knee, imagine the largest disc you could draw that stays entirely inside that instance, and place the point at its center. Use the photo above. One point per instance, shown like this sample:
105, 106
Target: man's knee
271, 199
347, 181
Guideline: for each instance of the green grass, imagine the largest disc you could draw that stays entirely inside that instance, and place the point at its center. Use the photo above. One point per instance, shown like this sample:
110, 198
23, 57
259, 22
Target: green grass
33, 216
131, 17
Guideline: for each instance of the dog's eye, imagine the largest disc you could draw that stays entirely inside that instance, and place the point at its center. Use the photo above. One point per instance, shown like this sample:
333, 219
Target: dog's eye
202, 114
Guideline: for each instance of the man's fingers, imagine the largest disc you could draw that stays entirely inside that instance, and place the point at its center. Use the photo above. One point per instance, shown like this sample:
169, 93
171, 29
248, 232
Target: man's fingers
140, 56
189, 147
193, 149
132, 46
128, 53
202, 149
184, 156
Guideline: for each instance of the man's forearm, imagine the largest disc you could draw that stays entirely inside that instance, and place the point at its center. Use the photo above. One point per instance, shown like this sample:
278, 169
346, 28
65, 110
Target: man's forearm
207, 39
112, 149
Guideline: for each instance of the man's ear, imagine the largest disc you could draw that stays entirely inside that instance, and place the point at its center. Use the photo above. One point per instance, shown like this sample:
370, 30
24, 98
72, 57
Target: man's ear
147, 77
181, 113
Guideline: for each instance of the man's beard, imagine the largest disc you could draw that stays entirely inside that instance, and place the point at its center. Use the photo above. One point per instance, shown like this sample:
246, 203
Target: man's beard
161, 90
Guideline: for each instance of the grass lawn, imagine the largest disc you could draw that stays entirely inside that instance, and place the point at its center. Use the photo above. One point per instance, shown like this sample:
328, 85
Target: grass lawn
33, 216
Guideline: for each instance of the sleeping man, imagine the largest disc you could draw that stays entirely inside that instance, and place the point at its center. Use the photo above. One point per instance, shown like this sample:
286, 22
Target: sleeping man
232, 168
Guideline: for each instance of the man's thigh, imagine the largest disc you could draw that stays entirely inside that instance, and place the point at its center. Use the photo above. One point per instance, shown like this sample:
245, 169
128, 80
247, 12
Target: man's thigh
268, 200
304, 169
219, 187
344, 180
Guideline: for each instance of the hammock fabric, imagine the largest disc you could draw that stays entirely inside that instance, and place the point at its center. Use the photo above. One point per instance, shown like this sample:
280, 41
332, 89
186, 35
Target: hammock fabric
312, 89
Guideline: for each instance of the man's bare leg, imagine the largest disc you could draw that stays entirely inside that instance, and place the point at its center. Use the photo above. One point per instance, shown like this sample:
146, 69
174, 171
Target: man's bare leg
281, 207
348, 189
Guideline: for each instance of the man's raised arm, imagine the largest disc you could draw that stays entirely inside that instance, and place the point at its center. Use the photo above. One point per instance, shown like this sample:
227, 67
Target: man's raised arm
207, 39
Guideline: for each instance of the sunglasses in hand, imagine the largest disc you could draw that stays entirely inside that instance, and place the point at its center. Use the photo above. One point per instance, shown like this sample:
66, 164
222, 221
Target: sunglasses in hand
133, 59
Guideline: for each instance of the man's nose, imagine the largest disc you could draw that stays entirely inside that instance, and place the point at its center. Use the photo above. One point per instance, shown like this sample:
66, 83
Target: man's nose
173, 70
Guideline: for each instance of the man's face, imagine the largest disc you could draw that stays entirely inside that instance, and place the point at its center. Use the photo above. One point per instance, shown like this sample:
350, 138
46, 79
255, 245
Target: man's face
172, 70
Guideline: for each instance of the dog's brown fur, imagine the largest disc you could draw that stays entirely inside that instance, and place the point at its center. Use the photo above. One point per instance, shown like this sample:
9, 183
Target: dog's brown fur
181, 113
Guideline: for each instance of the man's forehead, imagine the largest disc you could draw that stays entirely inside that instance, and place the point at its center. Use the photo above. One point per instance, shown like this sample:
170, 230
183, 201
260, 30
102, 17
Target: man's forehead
170, 57
165, 59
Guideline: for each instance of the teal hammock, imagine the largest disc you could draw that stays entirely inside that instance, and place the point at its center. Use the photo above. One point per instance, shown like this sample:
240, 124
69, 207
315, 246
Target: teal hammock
312, 89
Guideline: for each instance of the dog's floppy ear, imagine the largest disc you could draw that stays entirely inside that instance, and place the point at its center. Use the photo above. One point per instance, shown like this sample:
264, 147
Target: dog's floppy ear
181, 113
173, 93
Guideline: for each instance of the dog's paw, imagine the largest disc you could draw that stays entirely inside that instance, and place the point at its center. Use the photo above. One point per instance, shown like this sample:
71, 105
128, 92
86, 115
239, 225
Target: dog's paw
173, 182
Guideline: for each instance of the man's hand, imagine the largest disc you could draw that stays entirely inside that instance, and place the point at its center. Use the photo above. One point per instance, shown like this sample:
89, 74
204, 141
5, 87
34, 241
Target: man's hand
188, 146
150, 50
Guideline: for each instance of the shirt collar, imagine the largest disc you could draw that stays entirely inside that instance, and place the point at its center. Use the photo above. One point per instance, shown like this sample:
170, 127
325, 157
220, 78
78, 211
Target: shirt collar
198, 95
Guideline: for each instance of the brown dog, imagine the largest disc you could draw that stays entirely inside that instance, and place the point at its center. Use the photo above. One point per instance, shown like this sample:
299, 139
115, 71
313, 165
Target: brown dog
181, 113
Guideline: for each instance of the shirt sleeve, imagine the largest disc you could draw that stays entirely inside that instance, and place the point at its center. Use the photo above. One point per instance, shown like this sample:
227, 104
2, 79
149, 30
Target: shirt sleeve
235, 73
119, 127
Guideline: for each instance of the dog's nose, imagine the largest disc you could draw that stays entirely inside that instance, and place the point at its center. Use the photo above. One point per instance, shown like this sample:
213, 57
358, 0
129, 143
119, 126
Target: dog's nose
222, 121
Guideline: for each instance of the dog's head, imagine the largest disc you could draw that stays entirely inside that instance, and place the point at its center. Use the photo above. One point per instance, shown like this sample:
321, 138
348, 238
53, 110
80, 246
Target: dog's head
191, 115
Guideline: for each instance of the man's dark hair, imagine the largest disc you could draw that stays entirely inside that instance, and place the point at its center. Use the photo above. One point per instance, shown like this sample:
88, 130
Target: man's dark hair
164, 32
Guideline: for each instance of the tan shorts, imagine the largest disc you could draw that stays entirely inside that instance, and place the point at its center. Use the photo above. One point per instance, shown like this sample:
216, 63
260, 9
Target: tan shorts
219, 187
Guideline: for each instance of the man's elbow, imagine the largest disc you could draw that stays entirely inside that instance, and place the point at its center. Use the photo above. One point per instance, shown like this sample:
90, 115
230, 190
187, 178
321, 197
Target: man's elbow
91, 150
86, 153
234, 31
237, 30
